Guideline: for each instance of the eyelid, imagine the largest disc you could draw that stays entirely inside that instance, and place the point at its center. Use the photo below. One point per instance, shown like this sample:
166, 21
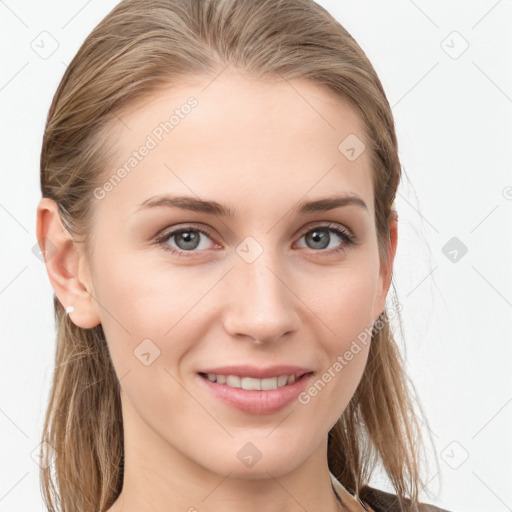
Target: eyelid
325, 225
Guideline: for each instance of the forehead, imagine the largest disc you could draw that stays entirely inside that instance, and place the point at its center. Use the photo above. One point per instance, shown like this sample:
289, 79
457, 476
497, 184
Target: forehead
248, 143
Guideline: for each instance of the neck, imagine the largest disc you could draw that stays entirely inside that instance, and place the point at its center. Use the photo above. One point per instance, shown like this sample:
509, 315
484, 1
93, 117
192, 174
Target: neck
159, 477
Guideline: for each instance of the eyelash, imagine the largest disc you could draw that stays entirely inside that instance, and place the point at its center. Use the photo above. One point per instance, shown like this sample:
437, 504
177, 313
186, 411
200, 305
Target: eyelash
346, 236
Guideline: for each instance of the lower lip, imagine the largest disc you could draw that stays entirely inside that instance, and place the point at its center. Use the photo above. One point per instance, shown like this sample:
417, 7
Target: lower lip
255, 401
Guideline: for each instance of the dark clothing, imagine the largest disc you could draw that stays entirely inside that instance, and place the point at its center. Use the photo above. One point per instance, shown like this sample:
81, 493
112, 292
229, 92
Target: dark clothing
382, 501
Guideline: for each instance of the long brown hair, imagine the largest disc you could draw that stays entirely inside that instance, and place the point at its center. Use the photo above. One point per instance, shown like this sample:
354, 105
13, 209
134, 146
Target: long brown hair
140, 46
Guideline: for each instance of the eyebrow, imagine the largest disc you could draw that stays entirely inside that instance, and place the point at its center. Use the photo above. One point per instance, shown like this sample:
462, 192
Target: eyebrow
215, 208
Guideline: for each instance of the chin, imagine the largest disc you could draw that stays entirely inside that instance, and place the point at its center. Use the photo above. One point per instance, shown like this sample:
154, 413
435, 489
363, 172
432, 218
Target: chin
258, 460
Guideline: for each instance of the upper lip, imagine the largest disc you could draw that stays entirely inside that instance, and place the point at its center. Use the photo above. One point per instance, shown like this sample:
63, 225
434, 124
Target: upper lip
258, 373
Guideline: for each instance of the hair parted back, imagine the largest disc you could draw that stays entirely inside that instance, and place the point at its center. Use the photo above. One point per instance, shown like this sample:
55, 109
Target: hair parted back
139, 47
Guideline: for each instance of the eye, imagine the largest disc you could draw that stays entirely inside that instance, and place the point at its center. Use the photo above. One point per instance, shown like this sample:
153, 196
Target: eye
187, 239
320, 237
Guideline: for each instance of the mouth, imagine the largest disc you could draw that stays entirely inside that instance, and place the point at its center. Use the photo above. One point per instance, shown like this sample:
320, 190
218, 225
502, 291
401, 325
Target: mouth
255, 395
252, 383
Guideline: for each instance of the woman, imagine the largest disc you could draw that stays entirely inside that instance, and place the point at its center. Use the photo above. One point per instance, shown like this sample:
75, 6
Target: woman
217, 217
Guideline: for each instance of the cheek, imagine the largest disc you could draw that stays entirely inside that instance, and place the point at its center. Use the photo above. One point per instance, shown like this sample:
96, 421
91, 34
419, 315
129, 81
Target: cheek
147, 316
145, 308
144, 295
345, 302
352, 307
345, 308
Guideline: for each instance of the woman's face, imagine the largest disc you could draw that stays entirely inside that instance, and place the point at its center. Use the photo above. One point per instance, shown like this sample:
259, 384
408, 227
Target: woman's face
270, 284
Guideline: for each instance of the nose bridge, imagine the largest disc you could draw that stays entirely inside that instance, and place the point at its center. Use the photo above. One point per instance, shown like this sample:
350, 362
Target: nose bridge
260, 305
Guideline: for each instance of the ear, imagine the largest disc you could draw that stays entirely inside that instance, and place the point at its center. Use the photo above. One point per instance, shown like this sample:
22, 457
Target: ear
66, 265
386, 267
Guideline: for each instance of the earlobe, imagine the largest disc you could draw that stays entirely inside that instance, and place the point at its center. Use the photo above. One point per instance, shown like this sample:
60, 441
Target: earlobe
64, 264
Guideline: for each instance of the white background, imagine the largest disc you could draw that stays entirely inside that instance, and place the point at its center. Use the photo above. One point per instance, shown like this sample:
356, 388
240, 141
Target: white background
453, 118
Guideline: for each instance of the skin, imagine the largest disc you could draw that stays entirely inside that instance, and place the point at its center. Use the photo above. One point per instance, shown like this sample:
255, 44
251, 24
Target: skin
258, 147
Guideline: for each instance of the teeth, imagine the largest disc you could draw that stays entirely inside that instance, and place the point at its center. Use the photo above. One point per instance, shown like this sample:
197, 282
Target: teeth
233, 381
250, 383
270, 383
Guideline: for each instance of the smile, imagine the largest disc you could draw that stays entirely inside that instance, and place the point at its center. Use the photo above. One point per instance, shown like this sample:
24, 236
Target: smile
253, 395
249, 383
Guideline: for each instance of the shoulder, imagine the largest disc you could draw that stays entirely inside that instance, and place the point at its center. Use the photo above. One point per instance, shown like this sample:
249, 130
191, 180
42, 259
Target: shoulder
382, 501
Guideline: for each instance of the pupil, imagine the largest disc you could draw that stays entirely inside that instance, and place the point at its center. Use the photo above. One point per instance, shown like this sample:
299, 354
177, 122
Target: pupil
321, 237
189, 238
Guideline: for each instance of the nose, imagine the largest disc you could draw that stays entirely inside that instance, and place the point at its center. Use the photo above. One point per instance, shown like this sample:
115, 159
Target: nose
261, 305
